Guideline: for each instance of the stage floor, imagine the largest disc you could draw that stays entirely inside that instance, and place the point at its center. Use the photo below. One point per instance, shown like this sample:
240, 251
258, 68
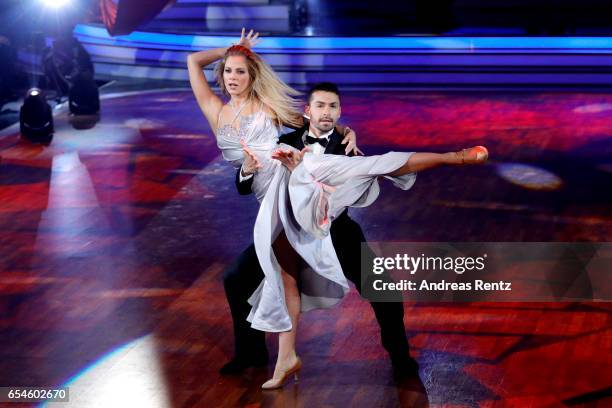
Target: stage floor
115, 238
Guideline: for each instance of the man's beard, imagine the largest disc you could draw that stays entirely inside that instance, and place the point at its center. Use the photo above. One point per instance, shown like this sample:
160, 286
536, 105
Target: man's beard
325, 126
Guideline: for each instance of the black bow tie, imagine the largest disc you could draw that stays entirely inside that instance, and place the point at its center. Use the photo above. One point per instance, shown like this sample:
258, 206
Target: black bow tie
323, 141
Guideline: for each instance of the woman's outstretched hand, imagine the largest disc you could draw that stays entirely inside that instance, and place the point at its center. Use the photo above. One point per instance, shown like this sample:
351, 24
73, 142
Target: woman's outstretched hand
251, 164
289, 158
250, 40
350, 139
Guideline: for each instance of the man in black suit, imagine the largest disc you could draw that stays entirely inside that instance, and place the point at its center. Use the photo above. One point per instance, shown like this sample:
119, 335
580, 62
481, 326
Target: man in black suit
244, 275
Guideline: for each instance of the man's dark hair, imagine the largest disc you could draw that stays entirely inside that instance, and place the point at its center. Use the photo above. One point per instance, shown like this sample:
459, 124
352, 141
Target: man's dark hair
325, 87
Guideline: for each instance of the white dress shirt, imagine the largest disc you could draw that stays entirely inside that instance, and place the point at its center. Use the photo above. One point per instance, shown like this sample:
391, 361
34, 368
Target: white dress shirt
317, 148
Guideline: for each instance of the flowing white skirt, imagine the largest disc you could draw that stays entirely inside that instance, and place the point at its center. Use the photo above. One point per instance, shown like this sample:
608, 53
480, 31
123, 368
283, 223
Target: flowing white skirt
303, 204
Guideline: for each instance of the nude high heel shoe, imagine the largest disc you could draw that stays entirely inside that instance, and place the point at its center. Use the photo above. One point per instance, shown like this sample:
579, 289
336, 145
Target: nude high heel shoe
473, 155
275, 383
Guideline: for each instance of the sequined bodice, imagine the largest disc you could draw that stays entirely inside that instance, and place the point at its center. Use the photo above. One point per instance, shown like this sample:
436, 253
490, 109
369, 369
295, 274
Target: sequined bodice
228, 130
261, 136
258, 132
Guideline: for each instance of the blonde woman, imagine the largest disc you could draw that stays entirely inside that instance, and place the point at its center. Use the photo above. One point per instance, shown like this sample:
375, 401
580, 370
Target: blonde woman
298, 201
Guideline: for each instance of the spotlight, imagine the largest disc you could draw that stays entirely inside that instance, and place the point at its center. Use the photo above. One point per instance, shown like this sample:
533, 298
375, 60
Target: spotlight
36, 117
56, 4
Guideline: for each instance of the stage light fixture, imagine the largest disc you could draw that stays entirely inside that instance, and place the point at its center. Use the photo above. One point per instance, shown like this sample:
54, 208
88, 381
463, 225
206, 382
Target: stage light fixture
36, 117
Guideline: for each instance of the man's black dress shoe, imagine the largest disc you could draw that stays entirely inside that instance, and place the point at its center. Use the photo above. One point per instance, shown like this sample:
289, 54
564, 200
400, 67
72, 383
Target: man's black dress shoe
237, 365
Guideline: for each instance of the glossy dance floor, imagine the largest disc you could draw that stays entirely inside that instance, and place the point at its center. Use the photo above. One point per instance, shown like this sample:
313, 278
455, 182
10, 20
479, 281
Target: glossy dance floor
114, 239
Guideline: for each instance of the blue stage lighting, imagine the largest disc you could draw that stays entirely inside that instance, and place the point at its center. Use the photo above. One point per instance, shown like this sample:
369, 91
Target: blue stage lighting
56, 4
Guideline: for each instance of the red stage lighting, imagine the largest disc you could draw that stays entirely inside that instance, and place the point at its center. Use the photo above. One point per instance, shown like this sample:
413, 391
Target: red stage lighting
123, 16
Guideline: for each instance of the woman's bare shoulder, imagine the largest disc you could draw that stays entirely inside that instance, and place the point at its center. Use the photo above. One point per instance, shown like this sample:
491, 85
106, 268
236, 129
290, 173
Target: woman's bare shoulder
269, 112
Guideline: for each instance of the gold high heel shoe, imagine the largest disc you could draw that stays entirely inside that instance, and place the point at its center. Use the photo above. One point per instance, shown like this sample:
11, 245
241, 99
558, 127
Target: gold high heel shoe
274, 383
474, 155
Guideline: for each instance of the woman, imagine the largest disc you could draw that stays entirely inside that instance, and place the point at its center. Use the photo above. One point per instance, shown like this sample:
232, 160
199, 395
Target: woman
297, 206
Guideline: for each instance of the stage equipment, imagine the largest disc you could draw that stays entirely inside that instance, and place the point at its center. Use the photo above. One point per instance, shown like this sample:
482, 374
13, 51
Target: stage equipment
36, 117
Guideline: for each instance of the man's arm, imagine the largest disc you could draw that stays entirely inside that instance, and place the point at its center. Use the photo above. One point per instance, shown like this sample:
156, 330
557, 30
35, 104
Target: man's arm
244, 183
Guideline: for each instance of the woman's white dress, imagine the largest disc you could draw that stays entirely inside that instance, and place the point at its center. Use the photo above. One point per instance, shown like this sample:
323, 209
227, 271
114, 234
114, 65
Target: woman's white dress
303, 203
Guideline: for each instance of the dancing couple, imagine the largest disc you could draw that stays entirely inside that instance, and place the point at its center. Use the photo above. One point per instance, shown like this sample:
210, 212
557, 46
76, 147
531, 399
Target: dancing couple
305, 244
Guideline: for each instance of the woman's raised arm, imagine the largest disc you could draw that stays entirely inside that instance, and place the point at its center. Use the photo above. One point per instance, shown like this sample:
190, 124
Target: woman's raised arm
209, 103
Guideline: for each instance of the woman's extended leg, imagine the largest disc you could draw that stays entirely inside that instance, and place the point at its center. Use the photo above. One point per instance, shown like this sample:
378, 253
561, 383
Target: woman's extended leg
423, 161
287, 362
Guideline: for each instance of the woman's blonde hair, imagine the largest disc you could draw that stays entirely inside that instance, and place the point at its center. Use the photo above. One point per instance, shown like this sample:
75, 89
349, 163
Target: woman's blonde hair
266, 86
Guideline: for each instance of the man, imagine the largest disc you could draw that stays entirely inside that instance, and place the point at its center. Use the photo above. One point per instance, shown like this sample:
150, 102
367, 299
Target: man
244, 275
